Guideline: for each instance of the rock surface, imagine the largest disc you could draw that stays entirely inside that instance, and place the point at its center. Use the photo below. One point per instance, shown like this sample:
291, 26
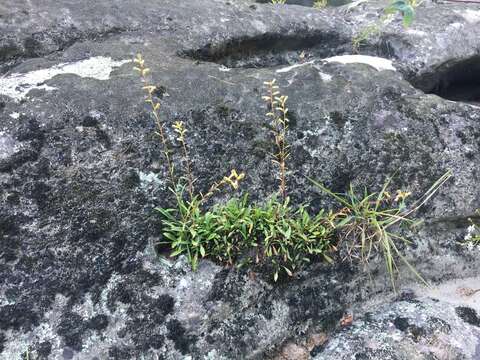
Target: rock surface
81, 169
439, 324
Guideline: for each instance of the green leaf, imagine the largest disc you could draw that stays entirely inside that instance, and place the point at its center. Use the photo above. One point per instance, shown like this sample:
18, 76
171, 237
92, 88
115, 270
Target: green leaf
408, 17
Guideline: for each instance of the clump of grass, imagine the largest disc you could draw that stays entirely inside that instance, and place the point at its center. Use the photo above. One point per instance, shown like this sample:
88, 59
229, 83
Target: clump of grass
368, 224
320, 4
406, 9
278, 2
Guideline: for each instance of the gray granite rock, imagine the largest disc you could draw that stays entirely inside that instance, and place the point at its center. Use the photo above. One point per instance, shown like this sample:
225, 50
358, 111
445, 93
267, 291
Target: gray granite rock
81, 169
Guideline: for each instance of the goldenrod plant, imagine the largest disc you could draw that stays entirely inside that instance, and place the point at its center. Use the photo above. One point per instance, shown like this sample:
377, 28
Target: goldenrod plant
179, 128
154, 110
277, 112
186, 210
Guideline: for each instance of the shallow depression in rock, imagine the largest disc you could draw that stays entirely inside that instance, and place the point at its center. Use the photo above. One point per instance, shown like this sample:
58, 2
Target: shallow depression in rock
310, 3
459, 81
270, 49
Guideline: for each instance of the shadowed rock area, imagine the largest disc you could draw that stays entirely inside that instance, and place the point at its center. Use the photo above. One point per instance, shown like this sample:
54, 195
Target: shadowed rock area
81, 172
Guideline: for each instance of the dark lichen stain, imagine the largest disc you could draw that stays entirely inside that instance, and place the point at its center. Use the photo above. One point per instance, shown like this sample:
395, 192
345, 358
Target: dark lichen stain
179, 336
71, 328
131, 179
223, 111
98, 322
438, 325
147, 315
401, 323
18, 316
338, 119
407, 295
370, 354
317, 350
2, 342
217, 291
468, 315
417, 332
43, 350
89, 121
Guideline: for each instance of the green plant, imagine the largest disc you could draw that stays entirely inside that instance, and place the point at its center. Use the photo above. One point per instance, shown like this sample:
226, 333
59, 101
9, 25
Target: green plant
278, 2
272, 235
371, 30
369, 223
406, 8
290, 238
320, 4
189, 210
276, 235
188, 229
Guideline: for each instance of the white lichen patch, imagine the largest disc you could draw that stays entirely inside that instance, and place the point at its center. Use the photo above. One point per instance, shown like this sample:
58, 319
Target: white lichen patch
325, 77
223, 68
373, 61
471, 16
147, 179
18, 85
418, 33
18, 343
7, 147
290, 68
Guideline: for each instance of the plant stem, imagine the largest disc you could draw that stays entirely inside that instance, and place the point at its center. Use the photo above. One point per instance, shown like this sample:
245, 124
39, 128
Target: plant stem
154, 109
189, 170
277, 104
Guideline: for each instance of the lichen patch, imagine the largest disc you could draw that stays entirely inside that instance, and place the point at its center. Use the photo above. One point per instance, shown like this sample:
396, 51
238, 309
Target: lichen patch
374, 61
18, 85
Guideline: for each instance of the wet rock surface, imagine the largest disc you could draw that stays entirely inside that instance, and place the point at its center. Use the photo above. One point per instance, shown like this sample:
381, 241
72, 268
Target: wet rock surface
81, 172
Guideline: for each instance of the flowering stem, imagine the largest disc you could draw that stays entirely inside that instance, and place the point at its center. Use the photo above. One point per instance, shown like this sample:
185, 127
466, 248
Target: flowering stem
149, 89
